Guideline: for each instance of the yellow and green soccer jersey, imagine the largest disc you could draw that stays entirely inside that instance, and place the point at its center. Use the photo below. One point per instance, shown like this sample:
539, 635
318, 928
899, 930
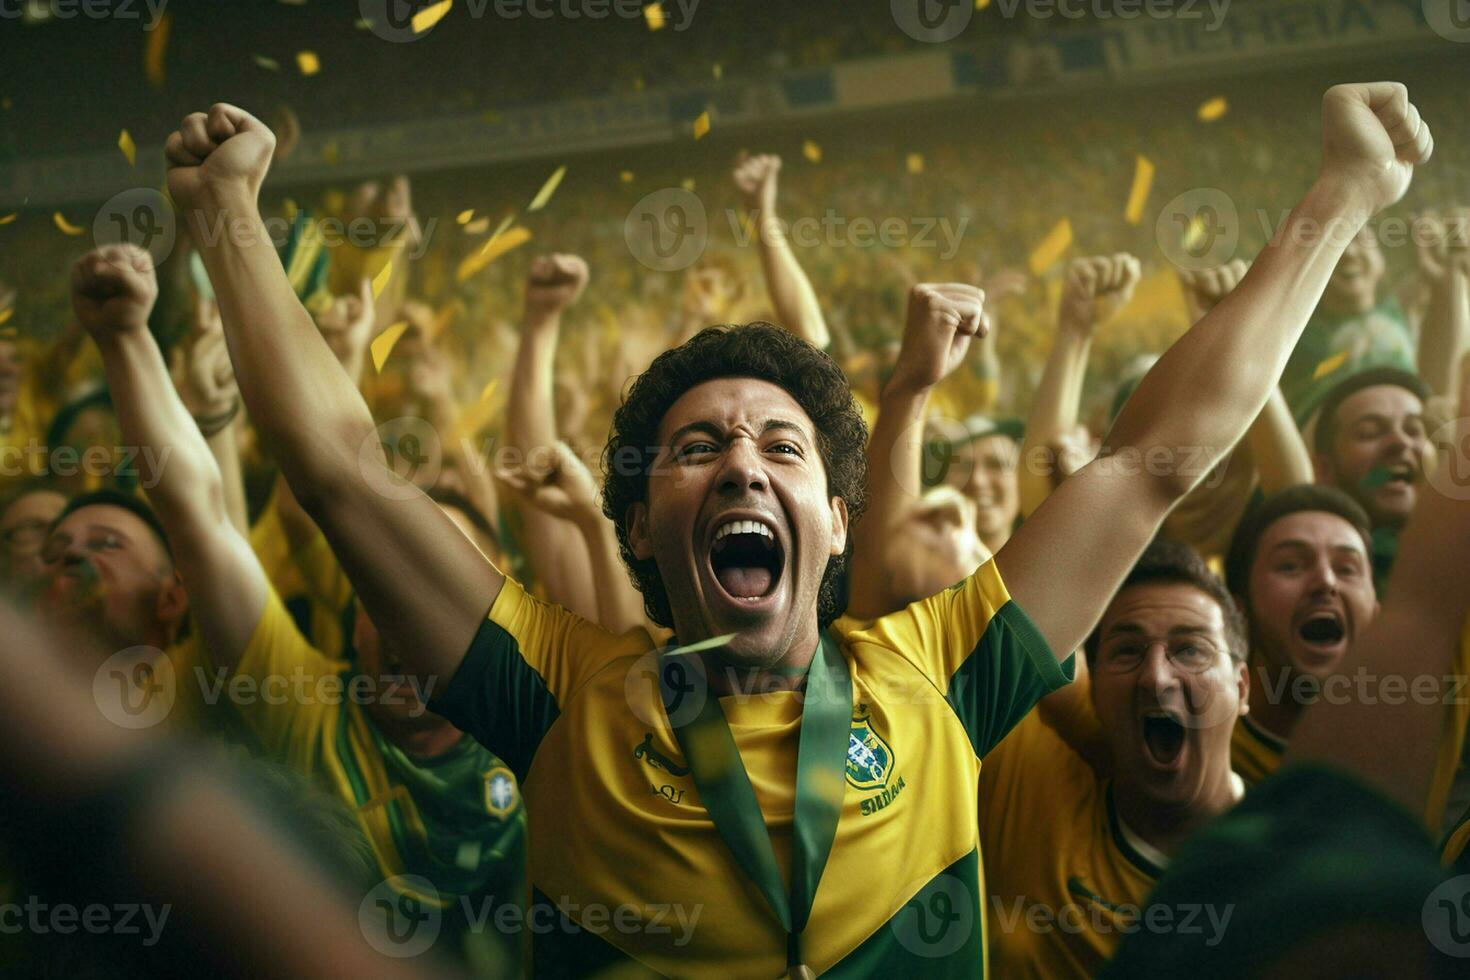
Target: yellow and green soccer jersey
1064, 879
622, 844
1254, 752
455, 820
308, 578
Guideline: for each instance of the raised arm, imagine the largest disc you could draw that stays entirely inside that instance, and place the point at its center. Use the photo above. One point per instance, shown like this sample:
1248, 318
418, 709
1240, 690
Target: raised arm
942, 321
113, 289
424, 583
1096, 289
1444, 266
560, 559
1064, 564
791, 291
206, 384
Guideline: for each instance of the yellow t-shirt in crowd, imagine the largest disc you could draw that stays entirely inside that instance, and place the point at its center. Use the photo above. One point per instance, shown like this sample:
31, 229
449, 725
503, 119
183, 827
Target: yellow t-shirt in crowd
1064, 878
308, 579
621, 842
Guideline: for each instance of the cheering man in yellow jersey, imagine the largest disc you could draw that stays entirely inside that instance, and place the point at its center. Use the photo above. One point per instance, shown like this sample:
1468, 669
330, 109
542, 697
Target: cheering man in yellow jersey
1167, 672
443, 815
811, 798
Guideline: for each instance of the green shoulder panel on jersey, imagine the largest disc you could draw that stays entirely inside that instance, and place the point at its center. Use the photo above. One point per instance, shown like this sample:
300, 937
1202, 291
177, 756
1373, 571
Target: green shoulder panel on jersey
499, 699
1010, 669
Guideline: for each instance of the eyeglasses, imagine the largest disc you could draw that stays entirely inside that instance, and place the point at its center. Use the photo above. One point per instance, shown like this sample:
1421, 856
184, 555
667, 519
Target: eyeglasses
96, 543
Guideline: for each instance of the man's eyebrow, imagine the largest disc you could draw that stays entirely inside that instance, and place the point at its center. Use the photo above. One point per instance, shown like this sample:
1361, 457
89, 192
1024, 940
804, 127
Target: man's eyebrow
705, 427
786, 425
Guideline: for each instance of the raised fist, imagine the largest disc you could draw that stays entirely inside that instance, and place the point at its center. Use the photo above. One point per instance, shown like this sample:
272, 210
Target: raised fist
1372, 136
1442, 243
346, 323
562, 487
756, 179
113, 289
554, 284
1097, 288
211, 155
942, 320
1205, 288
200, 364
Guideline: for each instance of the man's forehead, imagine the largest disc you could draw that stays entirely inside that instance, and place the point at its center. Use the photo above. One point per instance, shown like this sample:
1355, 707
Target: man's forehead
727, 402
1313, 527
108, 516
1390, 400
1163, 607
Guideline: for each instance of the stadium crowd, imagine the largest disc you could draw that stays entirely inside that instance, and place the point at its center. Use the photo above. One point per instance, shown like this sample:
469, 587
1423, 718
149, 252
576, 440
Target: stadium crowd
767, 617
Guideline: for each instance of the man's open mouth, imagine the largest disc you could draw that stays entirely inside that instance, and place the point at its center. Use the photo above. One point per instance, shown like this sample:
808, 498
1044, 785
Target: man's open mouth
1324, 628
746, 559
1163, 737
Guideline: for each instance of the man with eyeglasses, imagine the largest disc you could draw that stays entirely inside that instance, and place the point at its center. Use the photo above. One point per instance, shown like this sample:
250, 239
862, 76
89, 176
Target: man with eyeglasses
25, 516
1168, 680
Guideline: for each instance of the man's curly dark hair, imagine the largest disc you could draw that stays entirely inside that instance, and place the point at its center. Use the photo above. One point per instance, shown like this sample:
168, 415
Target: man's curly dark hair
762, 351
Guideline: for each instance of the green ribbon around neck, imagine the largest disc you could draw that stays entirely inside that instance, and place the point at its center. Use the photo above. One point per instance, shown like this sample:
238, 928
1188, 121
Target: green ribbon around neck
821, 771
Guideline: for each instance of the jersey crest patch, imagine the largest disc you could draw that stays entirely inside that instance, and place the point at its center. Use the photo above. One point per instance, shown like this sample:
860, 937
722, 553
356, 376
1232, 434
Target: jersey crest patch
500, 791
869, 757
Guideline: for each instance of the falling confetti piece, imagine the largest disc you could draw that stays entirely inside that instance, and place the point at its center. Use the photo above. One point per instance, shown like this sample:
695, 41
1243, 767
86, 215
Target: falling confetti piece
701, 125
916, 163
1328, 366
465, 216
478, 227
1057, 241
363, 24
504, 224
654, 14
308, 62
812, 151
269, 64
719, 71
479, 414
626, 176
425, 19
493, 249
67, 228
382, 344
9, 218
6, 314
981, 4
709, 644
129, 150
380, 281
157, 47
331, 152
1213, 109
547, 189
1143, 181
688, 184
1193, 233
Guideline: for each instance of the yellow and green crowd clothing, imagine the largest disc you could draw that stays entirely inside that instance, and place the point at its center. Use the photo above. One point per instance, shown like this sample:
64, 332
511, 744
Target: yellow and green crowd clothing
1065, 878
1333, 347
630, 859
455, 820
308, 579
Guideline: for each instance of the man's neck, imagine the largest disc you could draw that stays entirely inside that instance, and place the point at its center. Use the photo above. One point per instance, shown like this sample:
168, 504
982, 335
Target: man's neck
1273, 699
1165, 826
726, 678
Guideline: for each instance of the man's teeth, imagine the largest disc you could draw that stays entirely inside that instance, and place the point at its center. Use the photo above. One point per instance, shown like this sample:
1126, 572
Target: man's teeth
743, 527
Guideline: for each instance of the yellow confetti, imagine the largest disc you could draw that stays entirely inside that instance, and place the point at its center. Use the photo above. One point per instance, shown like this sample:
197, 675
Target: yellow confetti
154, 51
9, 218
916, 163
1143, 181
981, 4
1057, 241
6, 314
380, 281
129, 150
478, 415
812, 151
1328, 366
363, 24
654, 14
425, 19
504, 224
719, 71
478, 227
382, 344
701, 125
308, 62
1213, 109
67, 228
330, 152
1192, 233
465, 216
626, 176
269, 64
493, 249
688, 184
547, 189
290, 208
